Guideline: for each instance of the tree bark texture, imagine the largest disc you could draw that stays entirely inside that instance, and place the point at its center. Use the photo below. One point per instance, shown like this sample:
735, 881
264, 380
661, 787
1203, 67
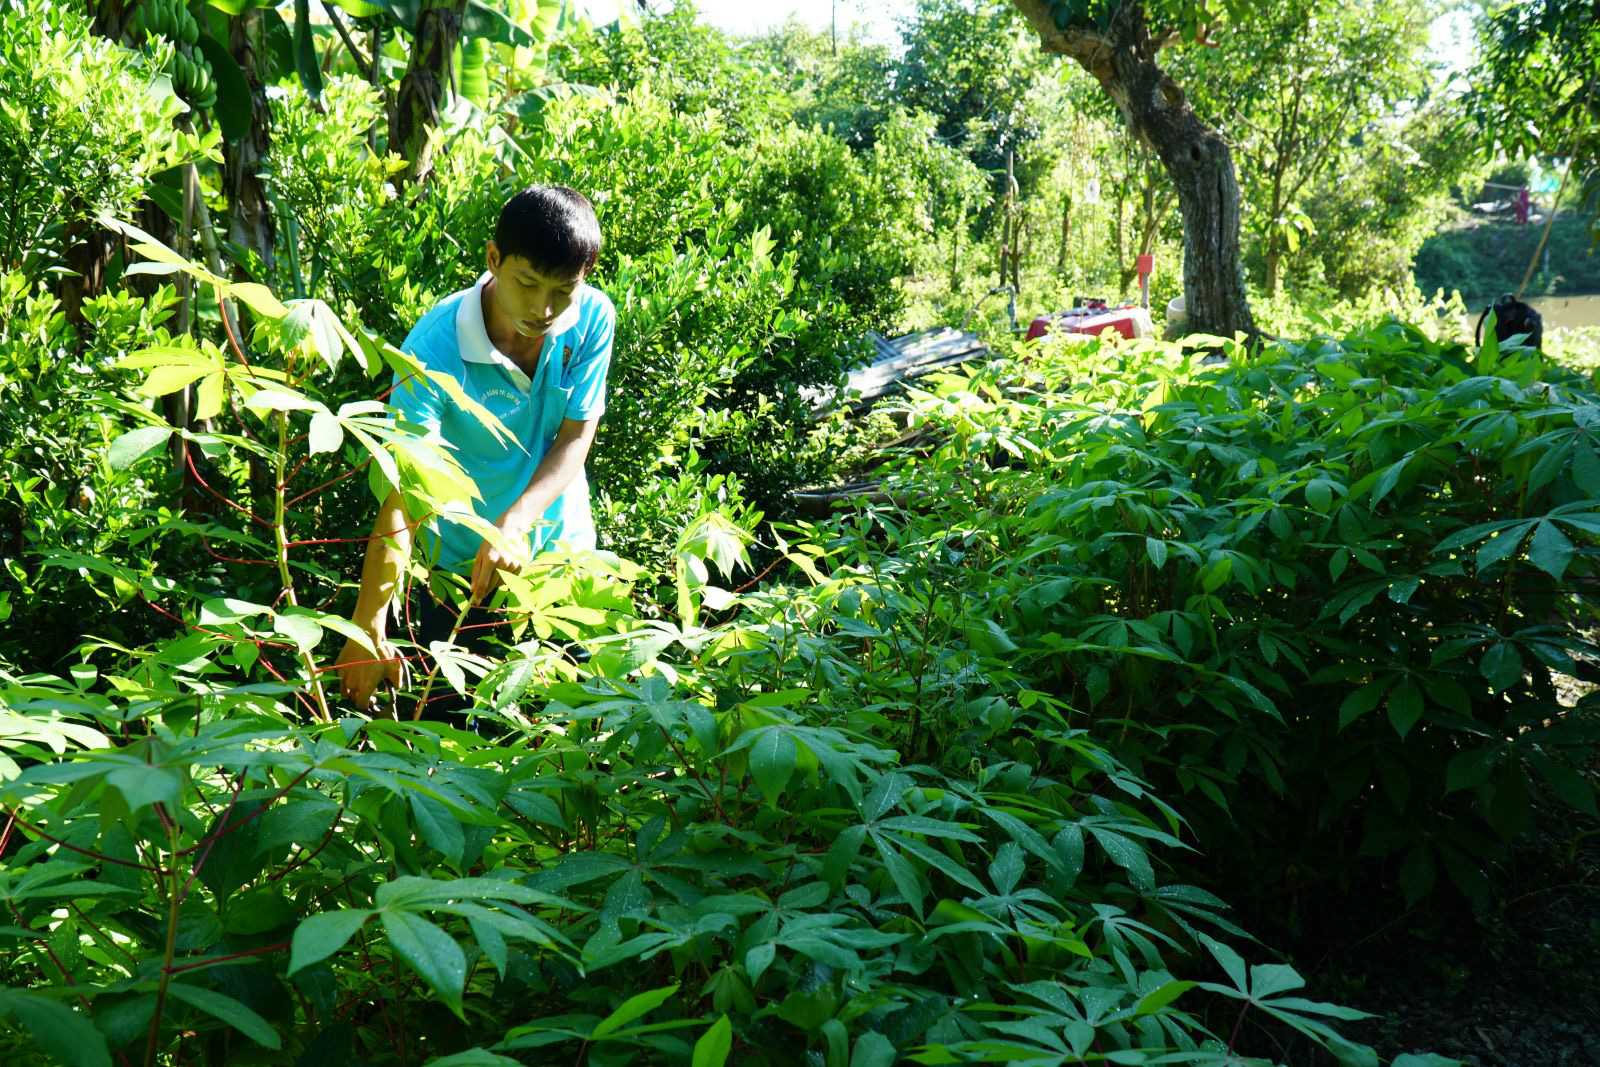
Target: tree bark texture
1122, 57
422, 89
250, 222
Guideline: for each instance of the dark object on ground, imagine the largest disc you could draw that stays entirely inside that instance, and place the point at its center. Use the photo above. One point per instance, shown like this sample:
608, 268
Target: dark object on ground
1511, 318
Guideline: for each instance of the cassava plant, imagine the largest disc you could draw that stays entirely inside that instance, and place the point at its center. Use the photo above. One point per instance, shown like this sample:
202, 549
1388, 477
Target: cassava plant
818, 822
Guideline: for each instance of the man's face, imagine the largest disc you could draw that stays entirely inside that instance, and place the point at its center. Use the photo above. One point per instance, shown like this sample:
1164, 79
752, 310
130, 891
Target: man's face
530, 299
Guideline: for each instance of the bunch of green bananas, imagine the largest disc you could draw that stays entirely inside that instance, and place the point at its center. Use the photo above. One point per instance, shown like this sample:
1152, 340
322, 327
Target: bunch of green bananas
191, 77
164, 18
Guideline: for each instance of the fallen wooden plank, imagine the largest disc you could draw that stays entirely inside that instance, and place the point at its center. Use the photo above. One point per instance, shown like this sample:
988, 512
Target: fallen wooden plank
898, 359
912, 356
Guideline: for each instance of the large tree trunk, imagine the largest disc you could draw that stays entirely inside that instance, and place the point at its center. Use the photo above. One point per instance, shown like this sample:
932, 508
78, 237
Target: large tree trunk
250, 222
416, 112
1122, 57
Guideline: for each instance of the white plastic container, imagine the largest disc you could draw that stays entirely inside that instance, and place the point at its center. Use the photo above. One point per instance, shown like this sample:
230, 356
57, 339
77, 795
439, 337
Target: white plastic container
1176, 315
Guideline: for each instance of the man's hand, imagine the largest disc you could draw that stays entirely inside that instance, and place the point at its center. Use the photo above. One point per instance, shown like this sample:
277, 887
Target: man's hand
490, 561
361, 672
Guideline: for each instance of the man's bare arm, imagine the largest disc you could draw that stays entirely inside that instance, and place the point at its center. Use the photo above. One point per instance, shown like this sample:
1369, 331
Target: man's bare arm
388, 551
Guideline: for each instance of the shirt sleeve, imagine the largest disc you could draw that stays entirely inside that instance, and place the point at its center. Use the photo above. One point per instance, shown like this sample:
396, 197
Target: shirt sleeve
586, 374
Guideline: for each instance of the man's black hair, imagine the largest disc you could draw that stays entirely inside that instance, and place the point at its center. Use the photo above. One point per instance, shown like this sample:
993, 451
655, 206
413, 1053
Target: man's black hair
552, 227
1512, 317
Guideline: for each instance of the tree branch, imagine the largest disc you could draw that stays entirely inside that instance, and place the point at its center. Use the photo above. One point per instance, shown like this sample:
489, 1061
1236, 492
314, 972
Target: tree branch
362, 64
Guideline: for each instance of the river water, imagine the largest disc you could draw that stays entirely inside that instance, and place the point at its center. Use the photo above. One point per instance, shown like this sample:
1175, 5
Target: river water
1557, 311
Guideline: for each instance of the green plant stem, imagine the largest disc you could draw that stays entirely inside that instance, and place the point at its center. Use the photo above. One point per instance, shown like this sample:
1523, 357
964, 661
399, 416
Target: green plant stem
174, 897
280, 533
432, 676
399, 1008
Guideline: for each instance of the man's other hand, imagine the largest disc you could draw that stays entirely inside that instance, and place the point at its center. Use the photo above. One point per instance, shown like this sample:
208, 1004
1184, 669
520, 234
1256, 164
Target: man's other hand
490, 561
361, 672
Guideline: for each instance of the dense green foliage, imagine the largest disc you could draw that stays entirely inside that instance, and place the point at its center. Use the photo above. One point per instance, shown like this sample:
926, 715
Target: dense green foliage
1326, 588
1538, 93
1130, 657
862, 814
1491, 258
48, 182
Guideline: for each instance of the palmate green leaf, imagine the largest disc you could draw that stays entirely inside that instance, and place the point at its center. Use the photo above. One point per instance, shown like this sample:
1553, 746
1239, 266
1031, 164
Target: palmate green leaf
438, 827
1502, 544
323, 934
430, 952
1586, 469
1231, 962
304, 633
229, 1010
713, 1047
772, 761
758, 959
1469, 769
1573, 787
64, 1033
490, 941
872, 1049
169, 379
312, 324
134, 445
1501, 666
905, 878
281, 399
1127, 854
1405, 705
1319, 494
1360, 701
1157, 999
633, 1008
327, 435
253, 295
1550, 550
143, 786
1068, 844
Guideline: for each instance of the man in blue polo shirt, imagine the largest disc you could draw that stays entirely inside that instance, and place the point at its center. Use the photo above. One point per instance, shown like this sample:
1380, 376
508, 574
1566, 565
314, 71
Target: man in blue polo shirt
530, 342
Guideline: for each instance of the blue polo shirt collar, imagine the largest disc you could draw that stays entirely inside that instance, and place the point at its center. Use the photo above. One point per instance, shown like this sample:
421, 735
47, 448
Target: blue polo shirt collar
473, 336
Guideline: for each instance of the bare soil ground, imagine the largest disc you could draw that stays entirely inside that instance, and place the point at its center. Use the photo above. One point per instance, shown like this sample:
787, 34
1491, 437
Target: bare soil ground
1515, 985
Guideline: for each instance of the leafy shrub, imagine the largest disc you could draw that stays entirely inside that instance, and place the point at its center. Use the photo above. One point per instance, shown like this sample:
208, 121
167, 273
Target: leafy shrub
85, 127
837, 825
1321, 593
59, 489
348, 236
695, 67
1304, 311
1577, 347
